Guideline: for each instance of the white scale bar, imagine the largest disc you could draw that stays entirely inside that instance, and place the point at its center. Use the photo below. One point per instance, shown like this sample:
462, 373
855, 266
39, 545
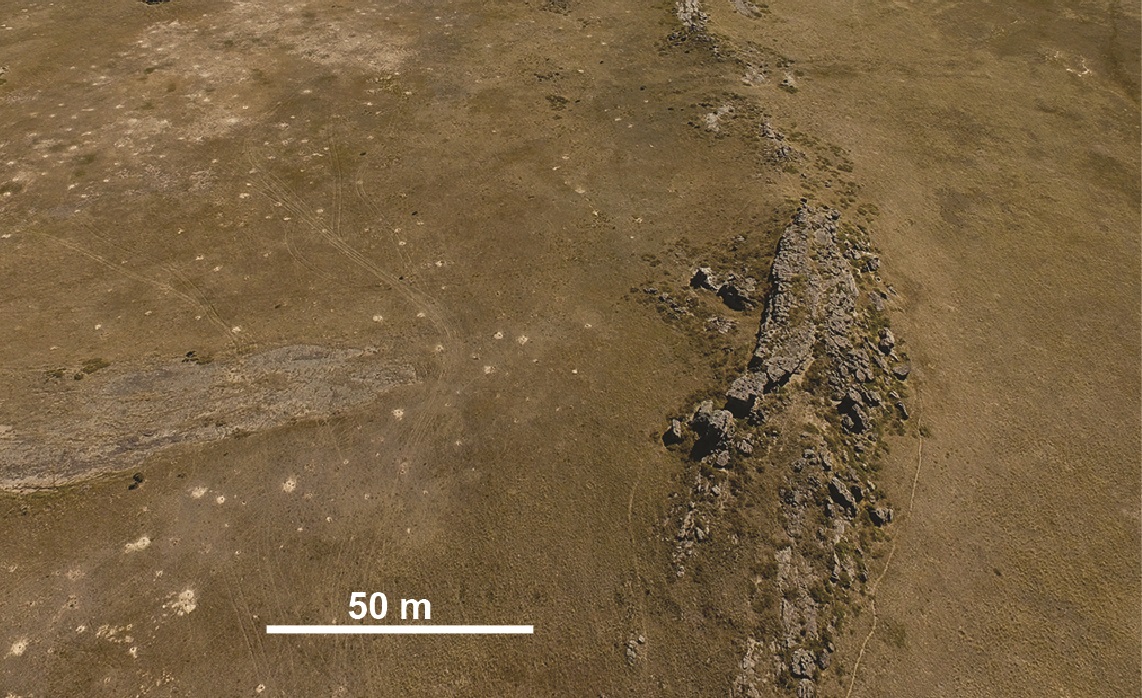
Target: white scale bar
400, 629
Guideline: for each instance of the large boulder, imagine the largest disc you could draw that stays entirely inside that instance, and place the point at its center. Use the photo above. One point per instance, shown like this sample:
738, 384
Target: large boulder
704, 278
743, 393
881, 516
887, 341
736, 293
714, 428
843, 496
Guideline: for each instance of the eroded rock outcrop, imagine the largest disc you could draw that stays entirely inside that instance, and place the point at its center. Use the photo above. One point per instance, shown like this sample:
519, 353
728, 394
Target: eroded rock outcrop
118, 415
812, 299
737, 292
824, 361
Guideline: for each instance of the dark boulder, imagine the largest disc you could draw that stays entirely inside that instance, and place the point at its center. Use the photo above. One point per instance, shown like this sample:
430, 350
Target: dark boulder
887, 341
854, 418
743, 393
736, 296
745, 446
704, 278
715, 429
881, 516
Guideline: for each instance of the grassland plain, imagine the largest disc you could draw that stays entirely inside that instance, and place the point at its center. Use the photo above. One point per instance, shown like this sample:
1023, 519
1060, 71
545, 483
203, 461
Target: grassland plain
464, 195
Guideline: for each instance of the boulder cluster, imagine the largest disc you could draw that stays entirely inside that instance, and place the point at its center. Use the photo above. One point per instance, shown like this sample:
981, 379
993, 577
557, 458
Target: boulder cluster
690, 14
737, 293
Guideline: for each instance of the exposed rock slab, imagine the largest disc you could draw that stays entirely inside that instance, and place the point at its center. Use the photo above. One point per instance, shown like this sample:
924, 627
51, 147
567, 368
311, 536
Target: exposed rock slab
118, 415
812, 298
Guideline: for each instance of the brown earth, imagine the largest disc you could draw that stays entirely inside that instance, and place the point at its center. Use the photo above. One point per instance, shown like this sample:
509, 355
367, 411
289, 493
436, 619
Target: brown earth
1007, 180
471, 193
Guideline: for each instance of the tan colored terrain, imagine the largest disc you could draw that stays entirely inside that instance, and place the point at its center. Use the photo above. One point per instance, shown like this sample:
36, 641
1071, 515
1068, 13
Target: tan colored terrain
406, 244
1000, 144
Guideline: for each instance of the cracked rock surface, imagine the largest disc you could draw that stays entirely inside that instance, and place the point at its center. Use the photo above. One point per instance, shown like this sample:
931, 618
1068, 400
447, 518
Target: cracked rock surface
822, 362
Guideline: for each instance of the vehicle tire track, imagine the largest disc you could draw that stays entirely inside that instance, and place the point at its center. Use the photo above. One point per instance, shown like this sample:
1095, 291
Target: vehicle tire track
279, 193
207, 308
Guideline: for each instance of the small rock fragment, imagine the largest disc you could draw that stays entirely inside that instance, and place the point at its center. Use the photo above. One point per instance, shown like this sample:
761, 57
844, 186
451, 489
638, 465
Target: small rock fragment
722, 459
720, 325
631, 652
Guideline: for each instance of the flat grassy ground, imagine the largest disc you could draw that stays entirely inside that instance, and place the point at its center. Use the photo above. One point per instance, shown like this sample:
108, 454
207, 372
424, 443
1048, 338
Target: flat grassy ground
472, 192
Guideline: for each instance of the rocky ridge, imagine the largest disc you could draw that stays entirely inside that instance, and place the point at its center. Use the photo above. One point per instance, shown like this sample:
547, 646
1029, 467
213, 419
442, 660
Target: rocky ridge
825, 363
798, 432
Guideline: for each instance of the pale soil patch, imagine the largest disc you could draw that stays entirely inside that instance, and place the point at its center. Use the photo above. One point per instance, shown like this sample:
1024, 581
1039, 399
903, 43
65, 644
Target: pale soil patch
182, 602
142, 543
